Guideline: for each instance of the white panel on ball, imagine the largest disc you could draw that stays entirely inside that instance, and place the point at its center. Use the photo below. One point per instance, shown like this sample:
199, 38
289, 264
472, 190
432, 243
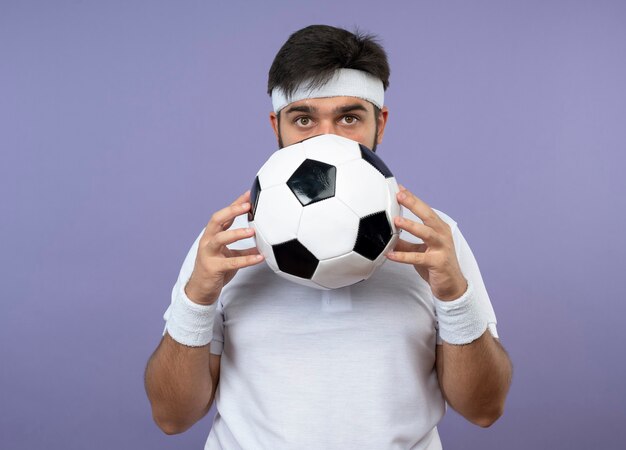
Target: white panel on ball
332, 149
328, 228
343, 270
277, 201
265, 249
395, 208
362, 187
280, 166
301, 281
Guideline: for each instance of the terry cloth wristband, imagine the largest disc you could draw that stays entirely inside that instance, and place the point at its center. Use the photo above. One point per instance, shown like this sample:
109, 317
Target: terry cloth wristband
189, 323
461, 321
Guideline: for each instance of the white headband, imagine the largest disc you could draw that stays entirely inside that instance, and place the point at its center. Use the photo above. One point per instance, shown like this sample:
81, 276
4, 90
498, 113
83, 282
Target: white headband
345, 82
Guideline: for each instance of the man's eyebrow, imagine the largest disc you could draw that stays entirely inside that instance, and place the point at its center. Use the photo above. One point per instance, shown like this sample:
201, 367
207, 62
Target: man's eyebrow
339, 110
350, 108
301, 108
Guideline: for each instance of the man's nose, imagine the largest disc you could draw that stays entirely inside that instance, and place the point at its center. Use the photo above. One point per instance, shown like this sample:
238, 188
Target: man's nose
327, 127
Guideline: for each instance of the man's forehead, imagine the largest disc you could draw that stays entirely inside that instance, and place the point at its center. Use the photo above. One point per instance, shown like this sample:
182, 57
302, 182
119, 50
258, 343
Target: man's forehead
329, 104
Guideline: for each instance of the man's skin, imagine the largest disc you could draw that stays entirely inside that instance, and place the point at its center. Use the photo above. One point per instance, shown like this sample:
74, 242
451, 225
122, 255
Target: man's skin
474, 378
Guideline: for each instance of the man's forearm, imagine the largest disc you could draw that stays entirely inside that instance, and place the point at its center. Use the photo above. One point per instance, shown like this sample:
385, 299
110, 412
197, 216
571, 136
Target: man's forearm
178, 384
475, 378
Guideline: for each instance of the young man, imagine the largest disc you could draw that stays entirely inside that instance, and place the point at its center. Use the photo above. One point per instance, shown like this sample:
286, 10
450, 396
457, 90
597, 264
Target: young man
366, 366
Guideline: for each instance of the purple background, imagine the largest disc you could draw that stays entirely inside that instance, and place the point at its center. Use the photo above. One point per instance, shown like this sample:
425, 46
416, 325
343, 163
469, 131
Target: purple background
124, 125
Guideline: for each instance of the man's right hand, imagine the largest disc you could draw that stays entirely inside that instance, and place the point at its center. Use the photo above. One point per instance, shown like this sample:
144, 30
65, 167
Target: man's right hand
216, 264
180, 380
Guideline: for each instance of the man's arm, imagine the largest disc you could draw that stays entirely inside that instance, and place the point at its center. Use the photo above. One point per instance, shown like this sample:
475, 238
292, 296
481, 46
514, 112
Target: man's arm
475, 378
473, 369
181, 376
180, 382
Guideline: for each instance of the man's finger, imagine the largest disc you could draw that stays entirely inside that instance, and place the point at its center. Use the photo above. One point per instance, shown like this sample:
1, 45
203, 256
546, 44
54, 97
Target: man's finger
246, 252
225, 216
227, 237
404, 246
414, 258
238, 262
418, 207
425, 233
243, 198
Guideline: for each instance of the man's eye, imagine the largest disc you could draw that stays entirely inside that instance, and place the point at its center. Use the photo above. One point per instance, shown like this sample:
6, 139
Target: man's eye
349, 120
303, 121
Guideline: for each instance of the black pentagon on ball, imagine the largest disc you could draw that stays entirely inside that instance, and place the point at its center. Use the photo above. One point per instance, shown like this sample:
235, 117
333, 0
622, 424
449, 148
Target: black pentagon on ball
294, 258
254, 198
373, 236
375, 161
313, 181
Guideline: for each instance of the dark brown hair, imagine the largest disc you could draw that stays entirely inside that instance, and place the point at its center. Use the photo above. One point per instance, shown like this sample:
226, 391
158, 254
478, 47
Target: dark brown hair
317, 51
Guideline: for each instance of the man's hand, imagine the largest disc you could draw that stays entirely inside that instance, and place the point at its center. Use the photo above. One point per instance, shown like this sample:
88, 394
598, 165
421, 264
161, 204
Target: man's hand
216, 264
435, 260
474, 378
181, 381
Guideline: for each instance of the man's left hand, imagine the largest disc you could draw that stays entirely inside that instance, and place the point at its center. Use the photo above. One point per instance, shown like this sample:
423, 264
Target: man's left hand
435, 260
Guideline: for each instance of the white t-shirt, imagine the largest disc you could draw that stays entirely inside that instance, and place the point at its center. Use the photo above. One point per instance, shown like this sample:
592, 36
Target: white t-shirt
354, 367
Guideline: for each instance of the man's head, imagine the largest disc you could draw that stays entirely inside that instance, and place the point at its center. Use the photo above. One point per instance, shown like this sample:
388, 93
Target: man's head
313, 94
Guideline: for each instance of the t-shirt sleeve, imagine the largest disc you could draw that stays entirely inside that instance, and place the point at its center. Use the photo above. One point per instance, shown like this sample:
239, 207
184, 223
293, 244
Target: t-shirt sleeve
217, 343
470, 270
183, 277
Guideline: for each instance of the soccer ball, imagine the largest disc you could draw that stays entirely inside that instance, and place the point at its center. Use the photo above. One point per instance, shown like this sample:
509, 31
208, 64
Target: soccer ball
322, 210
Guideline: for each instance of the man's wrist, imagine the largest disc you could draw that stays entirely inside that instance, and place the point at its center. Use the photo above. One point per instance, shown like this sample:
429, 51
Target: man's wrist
454, 293
191, 323
193, 295
460, 321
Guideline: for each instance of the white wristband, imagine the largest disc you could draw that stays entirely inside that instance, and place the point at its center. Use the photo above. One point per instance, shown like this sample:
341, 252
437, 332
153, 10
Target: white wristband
189, 323
460, 321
